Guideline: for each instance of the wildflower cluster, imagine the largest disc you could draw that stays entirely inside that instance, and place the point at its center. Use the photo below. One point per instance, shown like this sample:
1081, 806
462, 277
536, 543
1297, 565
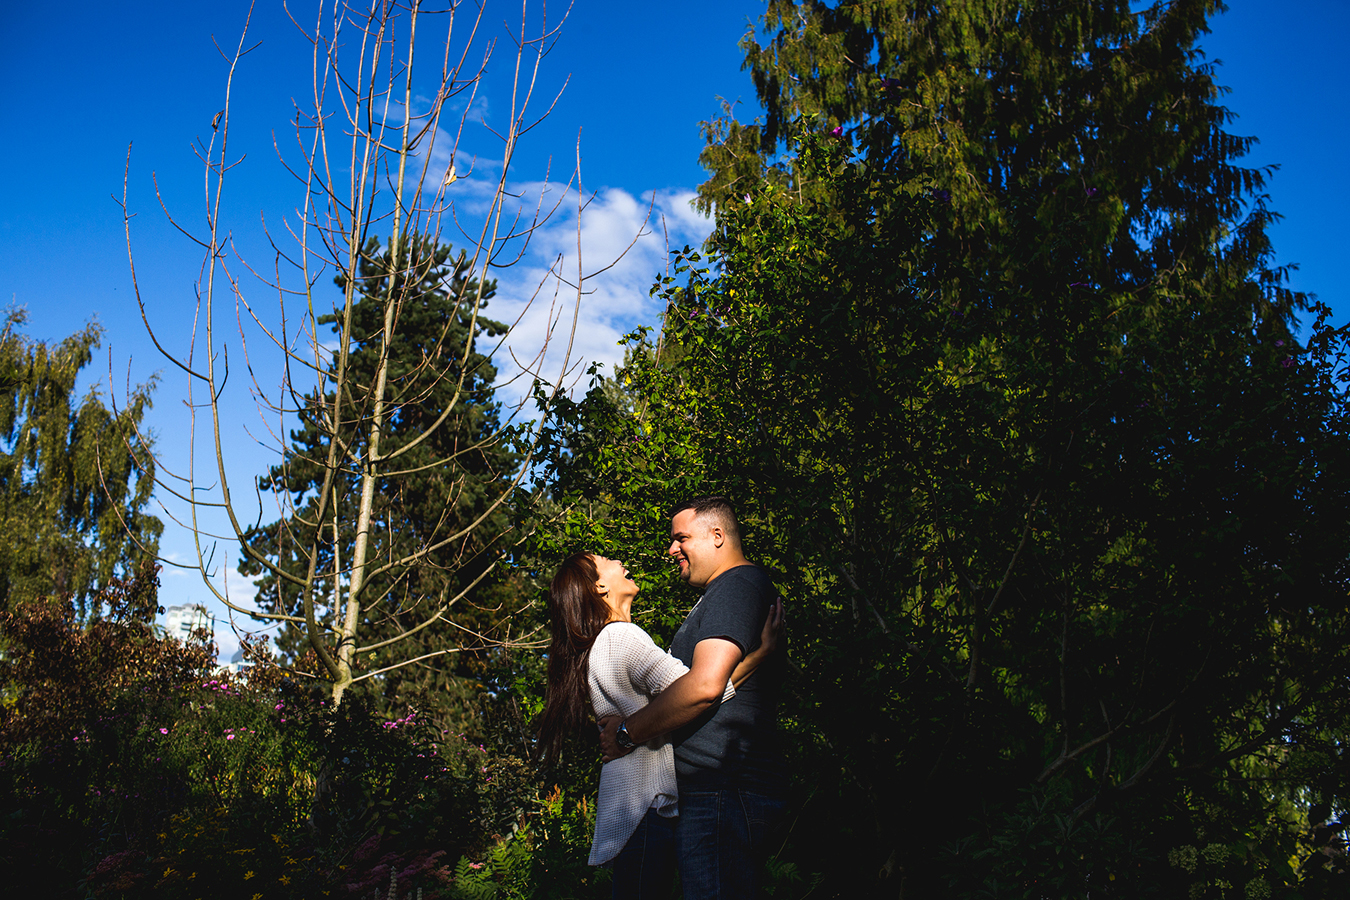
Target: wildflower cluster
409, 719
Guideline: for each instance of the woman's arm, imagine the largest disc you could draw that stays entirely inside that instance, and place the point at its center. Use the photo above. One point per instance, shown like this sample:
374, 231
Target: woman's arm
768, 642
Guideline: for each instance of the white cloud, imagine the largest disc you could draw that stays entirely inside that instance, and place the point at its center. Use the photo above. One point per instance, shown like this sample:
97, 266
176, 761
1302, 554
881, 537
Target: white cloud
637, 232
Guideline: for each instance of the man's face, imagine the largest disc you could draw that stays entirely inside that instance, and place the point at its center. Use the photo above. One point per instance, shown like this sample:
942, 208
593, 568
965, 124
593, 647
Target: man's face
694, 545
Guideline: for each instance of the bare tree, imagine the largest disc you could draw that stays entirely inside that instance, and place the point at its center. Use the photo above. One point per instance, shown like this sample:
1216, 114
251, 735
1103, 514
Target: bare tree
375, 161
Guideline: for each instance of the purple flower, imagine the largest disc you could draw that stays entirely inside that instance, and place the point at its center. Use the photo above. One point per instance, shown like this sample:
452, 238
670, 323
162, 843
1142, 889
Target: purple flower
747, 198
1286, 362
164, 731
837, 131
1074, 284
942, 196
1279, 343
1092, 192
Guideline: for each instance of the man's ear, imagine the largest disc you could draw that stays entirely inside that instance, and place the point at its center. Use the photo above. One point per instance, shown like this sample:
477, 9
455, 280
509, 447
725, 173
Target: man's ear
719, 537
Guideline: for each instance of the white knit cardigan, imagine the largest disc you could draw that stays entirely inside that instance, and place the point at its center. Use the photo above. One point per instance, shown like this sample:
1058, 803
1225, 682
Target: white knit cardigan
626, 669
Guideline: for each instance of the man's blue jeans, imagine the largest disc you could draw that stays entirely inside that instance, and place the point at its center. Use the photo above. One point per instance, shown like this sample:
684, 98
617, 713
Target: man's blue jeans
723, 838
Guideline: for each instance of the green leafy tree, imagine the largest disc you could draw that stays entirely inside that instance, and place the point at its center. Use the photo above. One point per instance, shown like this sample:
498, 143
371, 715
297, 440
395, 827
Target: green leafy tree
999, 369
75, 477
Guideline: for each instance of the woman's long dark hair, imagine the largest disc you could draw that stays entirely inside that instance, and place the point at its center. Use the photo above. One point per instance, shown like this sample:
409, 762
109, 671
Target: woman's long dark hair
577, 613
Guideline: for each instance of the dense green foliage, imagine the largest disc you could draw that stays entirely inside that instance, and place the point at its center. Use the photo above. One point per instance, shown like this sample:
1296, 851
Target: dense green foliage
129, 768
998, 368
75, 478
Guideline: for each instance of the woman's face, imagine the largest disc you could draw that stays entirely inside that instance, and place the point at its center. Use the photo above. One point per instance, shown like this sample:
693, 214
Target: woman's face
614, 584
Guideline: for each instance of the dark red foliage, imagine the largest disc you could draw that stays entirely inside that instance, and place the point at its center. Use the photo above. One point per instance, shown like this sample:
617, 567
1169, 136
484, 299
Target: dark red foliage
59, 677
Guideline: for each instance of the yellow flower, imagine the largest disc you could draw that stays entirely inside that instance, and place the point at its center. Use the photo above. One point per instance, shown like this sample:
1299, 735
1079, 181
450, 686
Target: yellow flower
249, 874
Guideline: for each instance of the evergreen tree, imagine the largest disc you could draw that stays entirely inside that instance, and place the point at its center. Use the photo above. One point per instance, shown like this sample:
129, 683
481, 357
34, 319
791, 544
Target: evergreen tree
438, 513
75, 478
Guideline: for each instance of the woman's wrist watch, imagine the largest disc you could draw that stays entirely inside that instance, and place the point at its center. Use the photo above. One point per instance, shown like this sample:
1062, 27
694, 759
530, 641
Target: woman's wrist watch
622, 738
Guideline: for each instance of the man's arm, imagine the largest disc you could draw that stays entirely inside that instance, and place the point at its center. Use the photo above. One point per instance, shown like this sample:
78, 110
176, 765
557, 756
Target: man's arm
682, 702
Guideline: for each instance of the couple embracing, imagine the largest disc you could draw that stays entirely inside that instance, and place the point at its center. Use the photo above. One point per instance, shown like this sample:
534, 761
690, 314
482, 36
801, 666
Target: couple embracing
693, 775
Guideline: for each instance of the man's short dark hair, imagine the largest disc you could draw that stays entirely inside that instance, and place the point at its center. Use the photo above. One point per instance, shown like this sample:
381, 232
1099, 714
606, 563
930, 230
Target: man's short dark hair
717, 509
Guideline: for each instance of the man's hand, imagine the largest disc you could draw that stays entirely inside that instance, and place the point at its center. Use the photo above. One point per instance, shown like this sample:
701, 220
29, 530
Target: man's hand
609, 747
769, 639
775, 626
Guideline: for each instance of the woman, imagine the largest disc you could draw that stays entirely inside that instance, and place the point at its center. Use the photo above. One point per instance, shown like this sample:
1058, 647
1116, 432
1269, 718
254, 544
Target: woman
597, 652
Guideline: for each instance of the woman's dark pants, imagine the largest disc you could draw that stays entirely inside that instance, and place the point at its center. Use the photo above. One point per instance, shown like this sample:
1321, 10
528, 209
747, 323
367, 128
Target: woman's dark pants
645, 867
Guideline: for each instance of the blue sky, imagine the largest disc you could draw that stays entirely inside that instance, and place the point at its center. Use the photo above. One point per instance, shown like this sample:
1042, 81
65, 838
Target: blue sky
84, 80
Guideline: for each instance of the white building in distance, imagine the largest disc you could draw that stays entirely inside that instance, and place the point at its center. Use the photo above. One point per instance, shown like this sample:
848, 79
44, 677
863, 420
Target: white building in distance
236, 665
181, 621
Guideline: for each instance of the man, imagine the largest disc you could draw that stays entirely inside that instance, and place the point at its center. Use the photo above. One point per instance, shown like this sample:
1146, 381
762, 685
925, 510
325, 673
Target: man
727, 763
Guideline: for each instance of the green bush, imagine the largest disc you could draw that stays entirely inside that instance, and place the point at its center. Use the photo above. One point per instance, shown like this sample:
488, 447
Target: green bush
133, 770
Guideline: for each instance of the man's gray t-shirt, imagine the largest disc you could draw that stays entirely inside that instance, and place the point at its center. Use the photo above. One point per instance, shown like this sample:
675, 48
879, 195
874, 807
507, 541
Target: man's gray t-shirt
735, 743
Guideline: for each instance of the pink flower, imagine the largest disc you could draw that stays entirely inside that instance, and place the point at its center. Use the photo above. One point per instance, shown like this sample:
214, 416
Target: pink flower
229, 737
164, 731
475, 865
837, 131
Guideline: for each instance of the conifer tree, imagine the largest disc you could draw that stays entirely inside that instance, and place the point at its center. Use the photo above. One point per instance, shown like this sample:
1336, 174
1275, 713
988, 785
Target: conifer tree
386, 523
449, 476
1089, 133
